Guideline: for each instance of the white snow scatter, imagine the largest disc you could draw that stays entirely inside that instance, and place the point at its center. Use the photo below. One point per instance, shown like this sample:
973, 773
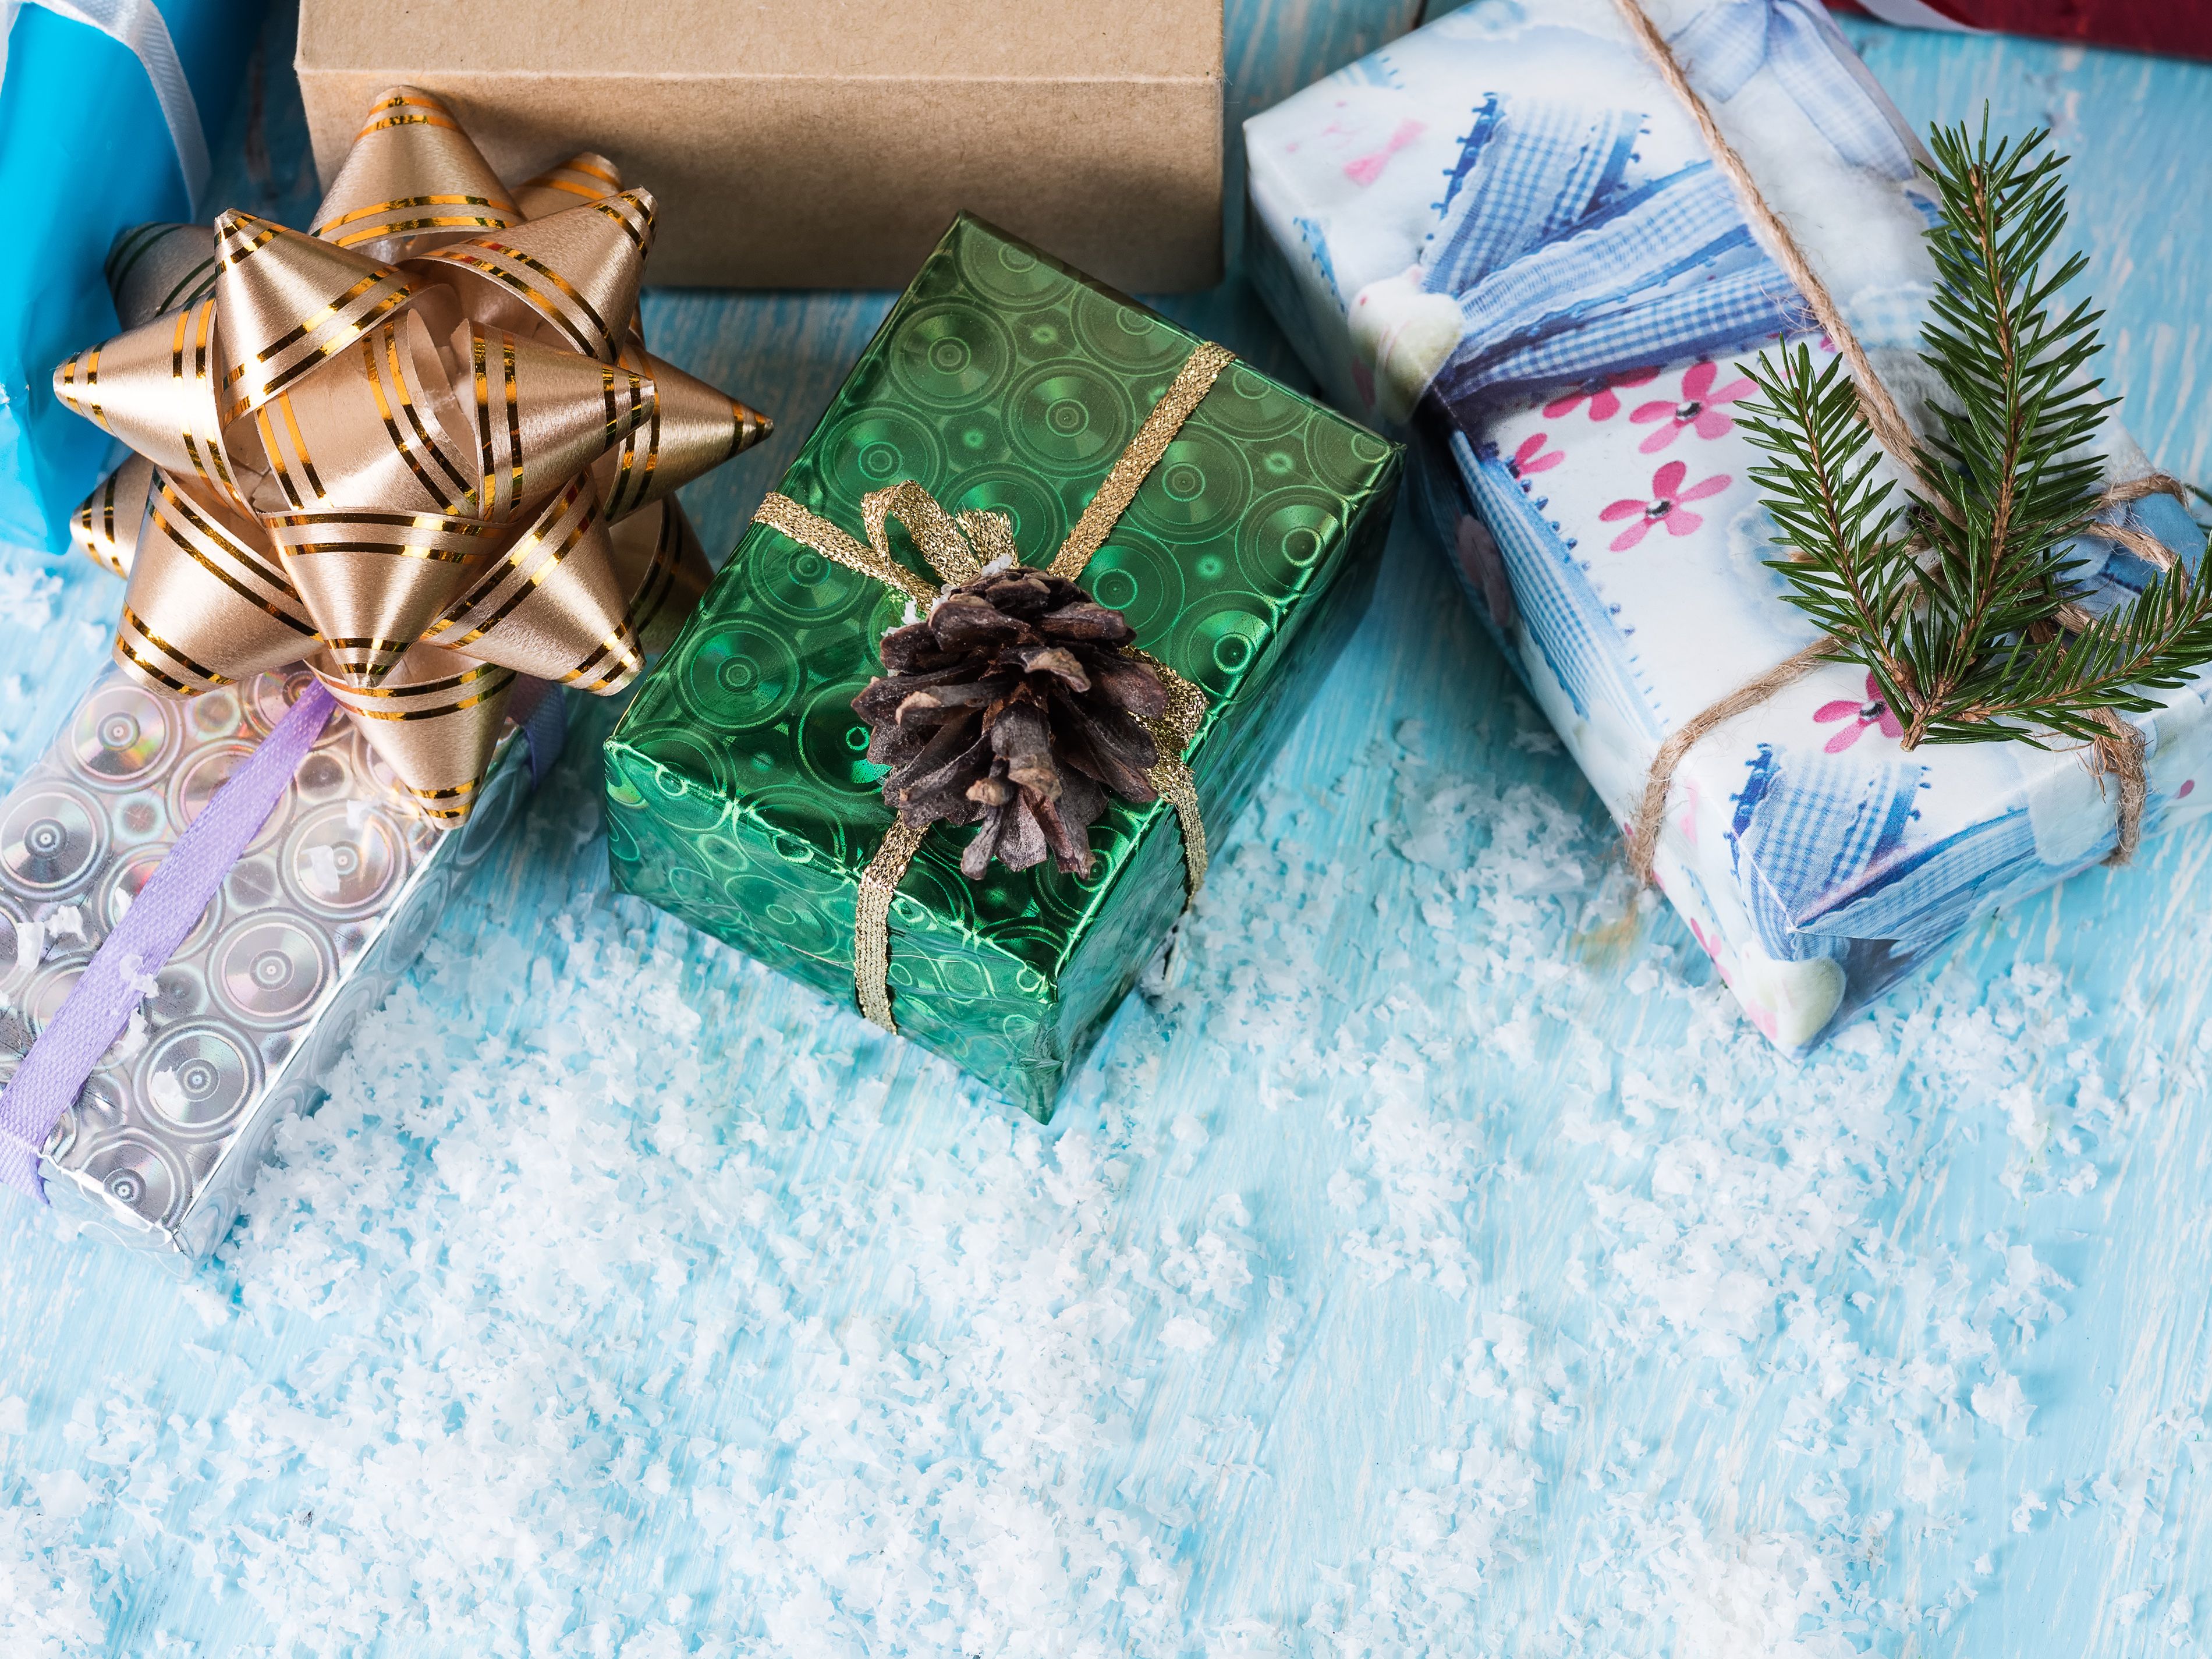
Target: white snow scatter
47, 1583
27, 596
323, 873
1751, 1597
632, 1303
1419, 1590
2003, 1404
168, 1093
924, 1364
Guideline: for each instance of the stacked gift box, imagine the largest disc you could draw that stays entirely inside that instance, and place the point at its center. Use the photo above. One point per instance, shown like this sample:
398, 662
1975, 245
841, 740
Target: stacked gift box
954, 732
390, 493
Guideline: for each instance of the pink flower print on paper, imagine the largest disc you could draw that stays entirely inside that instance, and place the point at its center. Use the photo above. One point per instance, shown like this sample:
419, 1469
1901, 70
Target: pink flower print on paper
1699, 409
1532, 457
1603, 406
1366, 169
1665, 506
1874, 711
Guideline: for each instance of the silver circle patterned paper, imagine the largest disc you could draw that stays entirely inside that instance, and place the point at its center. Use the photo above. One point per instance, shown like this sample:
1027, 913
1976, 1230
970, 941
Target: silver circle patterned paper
339, 866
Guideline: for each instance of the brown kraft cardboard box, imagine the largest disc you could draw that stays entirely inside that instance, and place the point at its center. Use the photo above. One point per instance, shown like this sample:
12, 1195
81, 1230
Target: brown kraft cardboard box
824, 143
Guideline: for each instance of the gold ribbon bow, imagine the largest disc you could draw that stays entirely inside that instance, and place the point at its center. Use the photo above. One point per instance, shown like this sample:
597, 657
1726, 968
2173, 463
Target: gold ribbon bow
424, 448
958, 547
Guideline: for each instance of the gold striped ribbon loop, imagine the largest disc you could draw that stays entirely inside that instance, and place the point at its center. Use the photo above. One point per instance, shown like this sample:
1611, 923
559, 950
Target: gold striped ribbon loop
959, 547
414, 480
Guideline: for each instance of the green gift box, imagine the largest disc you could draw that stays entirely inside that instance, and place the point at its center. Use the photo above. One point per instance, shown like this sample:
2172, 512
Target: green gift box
739, 796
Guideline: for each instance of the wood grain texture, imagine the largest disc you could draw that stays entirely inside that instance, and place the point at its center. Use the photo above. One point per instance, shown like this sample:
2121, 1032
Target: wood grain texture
1574, 1322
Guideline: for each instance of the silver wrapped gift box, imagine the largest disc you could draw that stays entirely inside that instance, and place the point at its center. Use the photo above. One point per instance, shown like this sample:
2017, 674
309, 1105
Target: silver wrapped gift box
332, 901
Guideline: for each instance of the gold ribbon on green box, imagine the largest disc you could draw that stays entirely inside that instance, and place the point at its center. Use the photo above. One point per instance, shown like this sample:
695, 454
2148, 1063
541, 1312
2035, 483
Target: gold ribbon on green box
960, 549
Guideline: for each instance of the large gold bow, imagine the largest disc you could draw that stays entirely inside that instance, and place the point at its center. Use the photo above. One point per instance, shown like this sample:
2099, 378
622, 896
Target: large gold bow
958, 548
424, 448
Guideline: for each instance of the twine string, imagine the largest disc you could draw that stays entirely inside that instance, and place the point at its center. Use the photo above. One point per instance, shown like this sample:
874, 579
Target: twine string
2120, 752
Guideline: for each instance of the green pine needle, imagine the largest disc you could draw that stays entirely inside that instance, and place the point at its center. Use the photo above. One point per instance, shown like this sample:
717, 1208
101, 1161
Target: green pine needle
1952, 598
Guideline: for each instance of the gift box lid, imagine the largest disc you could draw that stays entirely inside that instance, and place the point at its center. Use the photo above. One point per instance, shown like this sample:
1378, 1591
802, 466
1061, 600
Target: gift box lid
953, 39
797, 146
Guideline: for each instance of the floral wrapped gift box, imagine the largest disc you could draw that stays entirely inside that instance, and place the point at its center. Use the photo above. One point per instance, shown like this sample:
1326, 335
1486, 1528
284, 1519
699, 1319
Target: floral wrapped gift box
1507, 231
1224, 542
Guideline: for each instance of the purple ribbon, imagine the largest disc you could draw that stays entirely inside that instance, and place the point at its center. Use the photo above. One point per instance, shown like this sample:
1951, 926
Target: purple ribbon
99, 1007
169, 906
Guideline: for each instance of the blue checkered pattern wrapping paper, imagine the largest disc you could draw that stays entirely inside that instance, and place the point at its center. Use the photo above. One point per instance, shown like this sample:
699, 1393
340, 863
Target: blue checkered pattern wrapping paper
1503, 234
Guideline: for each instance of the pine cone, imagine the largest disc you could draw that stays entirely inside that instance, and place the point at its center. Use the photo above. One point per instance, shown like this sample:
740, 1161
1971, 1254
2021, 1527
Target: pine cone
1013, 706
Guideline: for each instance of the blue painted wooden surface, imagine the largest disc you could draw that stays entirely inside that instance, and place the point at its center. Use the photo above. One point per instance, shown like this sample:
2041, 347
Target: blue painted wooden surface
1431, 1261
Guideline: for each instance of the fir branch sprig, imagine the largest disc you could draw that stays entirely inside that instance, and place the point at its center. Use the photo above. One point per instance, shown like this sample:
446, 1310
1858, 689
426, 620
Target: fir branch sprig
1953, 598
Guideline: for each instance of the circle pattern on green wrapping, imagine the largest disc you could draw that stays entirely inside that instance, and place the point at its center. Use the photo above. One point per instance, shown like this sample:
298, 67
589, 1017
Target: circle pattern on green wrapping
748, 676
1250, 407
802, 591
873, 449
799, 821
1288, 536
826, 756
1126, 340
933, 887
1335, 449
1071, 418
696, 777
1226, 632
762, 889
1196, 495
1005, 277
1001, 384
949, 355
1143, 580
